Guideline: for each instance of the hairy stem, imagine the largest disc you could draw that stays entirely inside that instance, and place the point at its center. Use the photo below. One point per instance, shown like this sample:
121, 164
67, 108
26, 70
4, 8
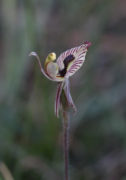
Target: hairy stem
66, 144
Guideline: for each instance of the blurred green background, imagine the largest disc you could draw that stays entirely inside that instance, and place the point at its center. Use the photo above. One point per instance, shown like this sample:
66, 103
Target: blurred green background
30, 134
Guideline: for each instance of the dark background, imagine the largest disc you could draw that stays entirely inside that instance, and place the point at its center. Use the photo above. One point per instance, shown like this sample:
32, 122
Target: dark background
30, 134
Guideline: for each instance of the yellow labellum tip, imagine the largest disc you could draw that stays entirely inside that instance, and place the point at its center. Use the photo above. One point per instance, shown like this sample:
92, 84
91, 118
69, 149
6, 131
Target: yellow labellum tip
50, 58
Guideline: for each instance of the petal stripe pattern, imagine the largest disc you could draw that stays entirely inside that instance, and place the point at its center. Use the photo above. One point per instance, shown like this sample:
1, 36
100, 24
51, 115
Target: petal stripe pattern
79, 53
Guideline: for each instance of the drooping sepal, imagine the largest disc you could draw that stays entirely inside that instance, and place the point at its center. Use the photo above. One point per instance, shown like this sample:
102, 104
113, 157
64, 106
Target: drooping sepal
68, 95
58, 98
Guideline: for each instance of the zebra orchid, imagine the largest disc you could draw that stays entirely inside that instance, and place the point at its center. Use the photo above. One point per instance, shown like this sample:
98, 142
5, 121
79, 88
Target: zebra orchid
61, 69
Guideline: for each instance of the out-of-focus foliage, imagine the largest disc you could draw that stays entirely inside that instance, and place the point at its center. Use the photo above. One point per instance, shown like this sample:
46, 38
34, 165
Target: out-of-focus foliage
30, 134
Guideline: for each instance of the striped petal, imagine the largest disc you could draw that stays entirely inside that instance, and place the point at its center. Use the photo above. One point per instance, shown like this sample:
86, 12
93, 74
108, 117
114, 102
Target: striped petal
76, 58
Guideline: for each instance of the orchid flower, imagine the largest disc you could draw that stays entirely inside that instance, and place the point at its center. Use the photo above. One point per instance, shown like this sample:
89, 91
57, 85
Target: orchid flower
62, 69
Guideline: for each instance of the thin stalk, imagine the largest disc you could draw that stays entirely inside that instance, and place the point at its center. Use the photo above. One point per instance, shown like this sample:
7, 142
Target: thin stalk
5, 172
66, 144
